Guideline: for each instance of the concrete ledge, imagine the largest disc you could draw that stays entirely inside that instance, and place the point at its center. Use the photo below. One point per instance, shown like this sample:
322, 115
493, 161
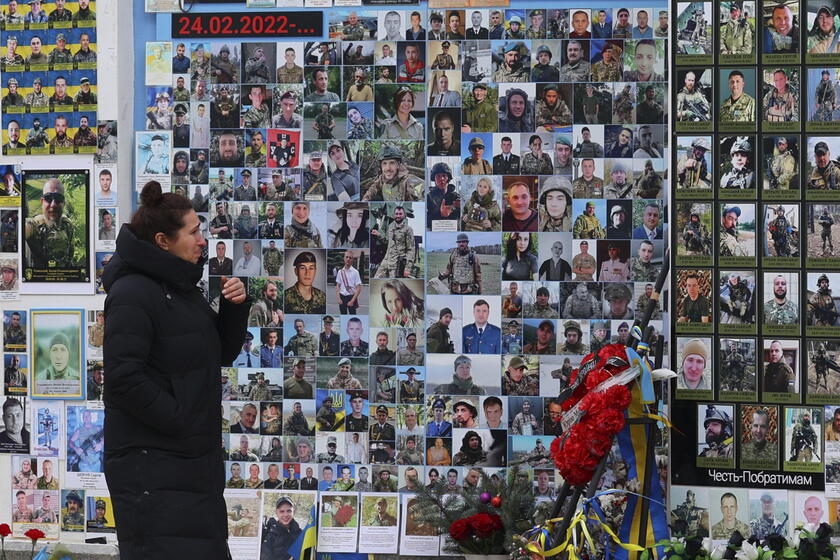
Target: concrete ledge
20, 550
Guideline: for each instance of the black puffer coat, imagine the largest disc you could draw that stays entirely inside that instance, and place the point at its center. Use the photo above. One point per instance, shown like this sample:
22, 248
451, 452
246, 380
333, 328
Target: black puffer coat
163, 349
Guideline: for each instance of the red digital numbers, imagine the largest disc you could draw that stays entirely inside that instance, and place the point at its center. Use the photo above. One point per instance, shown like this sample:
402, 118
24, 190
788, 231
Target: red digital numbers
255, 25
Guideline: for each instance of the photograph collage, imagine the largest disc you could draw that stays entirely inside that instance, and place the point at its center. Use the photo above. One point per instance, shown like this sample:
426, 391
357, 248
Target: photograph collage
755, 95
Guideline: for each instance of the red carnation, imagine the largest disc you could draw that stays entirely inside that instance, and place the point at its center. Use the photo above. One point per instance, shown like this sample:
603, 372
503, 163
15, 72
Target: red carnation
482, 524
611, 420
620, 396
343, 515
34, 534
5, 530
460, 530
613, 350
596, 377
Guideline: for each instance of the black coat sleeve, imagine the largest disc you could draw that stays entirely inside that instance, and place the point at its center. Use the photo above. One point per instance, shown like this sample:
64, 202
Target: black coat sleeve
231, 326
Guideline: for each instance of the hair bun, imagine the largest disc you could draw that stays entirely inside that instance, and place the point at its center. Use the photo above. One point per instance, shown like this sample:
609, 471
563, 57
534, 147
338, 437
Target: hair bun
152, 195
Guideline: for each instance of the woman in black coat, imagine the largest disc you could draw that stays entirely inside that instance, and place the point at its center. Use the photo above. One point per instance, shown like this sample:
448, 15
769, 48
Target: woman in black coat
163, 350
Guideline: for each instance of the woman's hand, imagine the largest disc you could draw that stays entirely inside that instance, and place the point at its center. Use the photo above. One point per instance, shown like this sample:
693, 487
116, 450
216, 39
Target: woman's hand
233, 289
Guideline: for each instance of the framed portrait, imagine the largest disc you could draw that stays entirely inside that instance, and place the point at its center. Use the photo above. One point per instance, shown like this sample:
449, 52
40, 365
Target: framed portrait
57, 353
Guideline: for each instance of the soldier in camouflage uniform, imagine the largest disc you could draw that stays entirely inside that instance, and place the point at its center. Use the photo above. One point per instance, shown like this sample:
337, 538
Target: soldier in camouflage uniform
780, 230
821, 309
343, 379
581, 304
544, 71
618, 297
463, 269
821, 362
401, 245
15, 335
551, 109
256, 70
780, 104
303, 343
411, 390
255, 157
289, 72
535, 30
692, 170
693, 516
766, 523
60, 14
258, 114
72, 517
260, 390
803, 440
12, 58
735, 308
587, 225
599, 337
393, 183
84, 135
438, 339
267, 311
622, 104
732, 369
515, 31
305, 269
271, 227
826, 221
517, 381
588, 185
736, 35
780, 310
583, 262
739, 106
511, 69
50, 235
729, 244
85, 55
409, 456
60, 54
825, 98
13, 98
540, 307
826, 173
607, 69
574, 339
719, 434
353, 30
782, 166
576, 68
642, 303
224, 70
482, 115
301, 232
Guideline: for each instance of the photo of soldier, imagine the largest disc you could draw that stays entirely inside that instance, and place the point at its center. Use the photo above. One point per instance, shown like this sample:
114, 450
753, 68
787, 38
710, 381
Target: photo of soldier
803, 434
644, 61
737, 368
759, 437
822, 368
590, 215
781, 29
224, 63
821, 219
780, 165
227, 148
394, 248
736, 297
592, 103
606, 61
694, 30
624, 102
781, 94
737, 38
693, 510
715, 436
769, 512
823, 172
781, 310
822, 98
782, 238
736, 99
695, 377
694, 300
822, 313
694, 162
781, 370
650, 104
822, 31
737, 165
694, 221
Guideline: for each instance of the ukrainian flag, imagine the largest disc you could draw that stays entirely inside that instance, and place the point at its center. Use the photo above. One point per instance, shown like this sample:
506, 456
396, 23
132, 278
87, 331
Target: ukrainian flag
304, 547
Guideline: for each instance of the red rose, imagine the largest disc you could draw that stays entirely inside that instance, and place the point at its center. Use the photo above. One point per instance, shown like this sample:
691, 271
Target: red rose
482, 524
343, 515
5, 530
460, 530
34, 534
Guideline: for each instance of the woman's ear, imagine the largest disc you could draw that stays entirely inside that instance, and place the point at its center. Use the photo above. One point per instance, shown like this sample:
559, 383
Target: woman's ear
162, 241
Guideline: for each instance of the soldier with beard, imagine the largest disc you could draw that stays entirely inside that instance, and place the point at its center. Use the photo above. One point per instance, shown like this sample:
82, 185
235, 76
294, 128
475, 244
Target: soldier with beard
267, 311
719, 434
736, 35
37, 137
393, 183
199, 171
437, 337
729, 244
825, 98
401, 247
696, 237
821, 309
735, 308
692, 170
61, 139
692, 105
780, 229
759, 449
472, 452
50, 235
780, 310
741, 175
777, 373
826, 173
180, 173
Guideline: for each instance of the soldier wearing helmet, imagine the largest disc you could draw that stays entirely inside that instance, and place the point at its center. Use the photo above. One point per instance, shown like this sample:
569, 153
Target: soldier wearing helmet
618, 298
719, 434
543, 70
443, 203
394, 182
741, 175
825, 98
463, 269
692, 170
822, 311
160, 118
826, 220
780, 230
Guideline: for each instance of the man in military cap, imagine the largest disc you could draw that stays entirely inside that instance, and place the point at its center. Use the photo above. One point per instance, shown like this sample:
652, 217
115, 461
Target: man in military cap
599, 336
544, 70
462, 381
537, 28
476, 164
330, 456
759, 448
719, 439
99, 520
574, 339
735, 301
695, 236
780, 104
576, 69
562, 155
438, 339
729, 244
780, 230
736, 35
8, 279
463, 269
692, 374
822, 311
256, 70
692, 170
181, 173
587, 225
618, 187
60, 356
223, 68
614, 269
803, 440
540, 307
826, 173
826, 220
551, 108
260, 391
13, 98
618, 297
393, 181
296, 387
739, 106
181, 130
60, 54
72, 517
270, 228
60, 13
382, 430
303, 343
516, 380
411, 390
608, 69
825, 98
586, 148
324, 123
444, 60
512, 339
692, 105
328, 340
343, 379
511, 69
766, 523
780, 310
50, 236
584, 264
36, 14
696, 518
12, 58
622, 104
401, 249
481, 115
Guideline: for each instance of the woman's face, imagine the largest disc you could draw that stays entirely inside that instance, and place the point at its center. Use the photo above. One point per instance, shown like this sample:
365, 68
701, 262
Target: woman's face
483, 188
555, 204
516, 106
406, 104
354, 115
393, 302
188, 241
354, 218
443, 83
438, 443
522, 243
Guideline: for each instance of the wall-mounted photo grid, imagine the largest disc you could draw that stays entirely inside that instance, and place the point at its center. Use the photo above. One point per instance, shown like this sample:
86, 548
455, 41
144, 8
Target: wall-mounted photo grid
757, 225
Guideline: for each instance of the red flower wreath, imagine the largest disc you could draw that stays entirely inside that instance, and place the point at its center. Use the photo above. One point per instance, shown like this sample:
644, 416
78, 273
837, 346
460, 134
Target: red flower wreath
577, 453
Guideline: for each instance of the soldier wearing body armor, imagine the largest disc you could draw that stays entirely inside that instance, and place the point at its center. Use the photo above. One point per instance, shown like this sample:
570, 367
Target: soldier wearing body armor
781, 167
225, 71
780, 229
551, 109
696, 237
36, 98
736, 35
692, 105
586, 148
692, 170
780, 104
781, 35
826, 220
623, 105
463, 269
544, 71
822, 363
741, 175
719, 434
161, 117
822, 38
826, 173
739, 106
401, 249
780, 310
736, 307
37, 137
733, 368
393, 182
582, 304
822, 311
803, 441
825, 98
50, 235
517, 381
588, 184
696, 518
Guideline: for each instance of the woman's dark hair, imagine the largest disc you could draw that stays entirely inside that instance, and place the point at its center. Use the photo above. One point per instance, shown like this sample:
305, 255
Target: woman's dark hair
409, 300
399, 94
362, 234
511, 250
159, 212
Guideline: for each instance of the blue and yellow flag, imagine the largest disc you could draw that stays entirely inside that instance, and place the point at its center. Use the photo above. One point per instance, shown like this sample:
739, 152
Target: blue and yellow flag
304, 546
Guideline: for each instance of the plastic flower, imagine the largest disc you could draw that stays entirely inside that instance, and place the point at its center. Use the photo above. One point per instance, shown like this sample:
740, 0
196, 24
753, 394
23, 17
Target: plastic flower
5, 530
34, 534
